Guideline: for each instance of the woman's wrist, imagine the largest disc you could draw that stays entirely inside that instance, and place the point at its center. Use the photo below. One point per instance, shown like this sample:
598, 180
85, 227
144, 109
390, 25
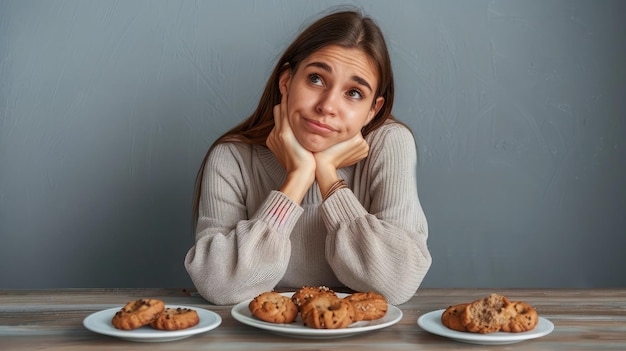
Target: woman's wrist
339, 184
296, 185
325, 175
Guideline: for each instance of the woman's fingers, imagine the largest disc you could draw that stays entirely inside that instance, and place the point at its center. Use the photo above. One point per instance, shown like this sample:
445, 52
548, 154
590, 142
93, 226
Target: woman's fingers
345, 153
280, 114
283, 108
276, 117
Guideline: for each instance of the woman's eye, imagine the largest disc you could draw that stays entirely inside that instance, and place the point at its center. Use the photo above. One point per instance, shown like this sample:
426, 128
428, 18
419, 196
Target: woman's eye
355, 94
315, 79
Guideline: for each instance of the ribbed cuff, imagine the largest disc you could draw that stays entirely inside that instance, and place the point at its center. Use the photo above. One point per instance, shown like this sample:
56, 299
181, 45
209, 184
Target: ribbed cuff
280, 212
343, 206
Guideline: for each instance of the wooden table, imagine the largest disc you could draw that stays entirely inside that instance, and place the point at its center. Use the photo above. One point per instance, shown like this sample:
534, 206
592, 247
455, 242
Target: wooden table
52, 320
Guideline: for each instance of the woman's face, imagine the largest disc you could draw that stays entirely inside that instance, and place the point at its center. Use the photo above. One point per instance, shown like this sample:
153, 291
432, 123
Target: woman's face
331, 96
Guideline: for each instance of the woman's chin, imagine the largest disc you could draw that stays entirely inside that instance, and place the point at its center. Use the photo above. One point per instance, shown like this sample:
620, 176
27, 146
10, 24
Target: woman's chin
315, 149
313, 145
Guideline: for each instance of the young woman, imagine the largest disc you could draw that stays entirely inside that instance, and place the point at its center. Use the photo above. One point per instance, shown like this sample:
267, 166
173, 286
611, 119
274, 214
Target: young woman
318, 185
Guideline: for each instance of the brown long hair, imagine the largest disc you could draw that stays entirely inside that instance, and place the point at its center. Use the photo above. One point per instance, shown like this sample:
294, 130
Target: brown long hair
348, 29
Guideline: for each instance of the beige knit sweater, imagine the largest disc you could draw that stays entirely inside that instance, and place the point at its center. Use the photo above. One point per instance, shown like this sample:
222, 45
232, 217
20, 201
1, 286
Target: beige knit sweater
251, 238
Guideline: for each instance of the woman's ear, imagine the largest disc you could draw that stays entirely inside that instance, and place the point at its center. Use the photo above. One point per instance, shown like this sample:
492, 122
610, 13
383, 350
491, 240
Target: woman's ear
376, 106
284, 81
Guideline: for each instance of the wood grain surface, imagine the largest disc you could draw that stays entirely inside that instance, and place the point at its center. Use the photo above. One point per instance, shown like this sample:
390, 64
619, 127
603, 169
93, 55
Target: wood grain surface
52, 320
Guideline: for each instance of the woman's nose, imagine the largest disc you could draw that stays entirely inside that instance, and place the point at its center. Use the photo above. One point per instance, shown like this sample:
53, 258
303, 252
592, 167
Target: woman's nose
327, 104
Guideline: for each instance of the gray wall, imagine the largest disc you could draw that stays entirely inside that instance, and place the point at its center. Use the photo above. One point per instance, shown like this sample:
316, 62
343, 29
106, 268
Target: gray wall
107, 107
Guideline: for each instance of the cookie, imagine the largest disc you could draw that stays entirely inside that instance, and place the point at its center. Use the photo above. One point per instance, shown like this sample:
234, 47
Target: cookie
452, 317
368, 305
327, 311
274, 308
176, 319
488, 315
524, 319
305, 293
138, 313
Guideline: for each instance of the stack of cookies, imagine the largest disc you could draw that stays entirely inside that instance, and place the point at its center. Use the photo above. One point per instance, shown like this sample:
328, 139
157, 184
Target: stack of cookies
319, 307
491, 314
153, 312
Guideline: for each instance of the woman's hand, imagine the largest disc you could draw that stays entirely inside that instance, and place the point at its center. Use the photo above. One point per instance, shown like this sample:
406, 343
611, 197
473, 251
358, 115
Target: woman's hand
337, 156
298, 161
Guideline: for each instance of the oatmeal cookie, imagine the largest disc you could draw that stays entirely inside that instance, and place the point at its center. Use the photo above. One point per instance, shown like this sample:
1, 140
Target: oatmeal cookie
452, 317
176, 319
327, 311
274, 308
368, 305
305, 293
137, 313
488, 315
524, 319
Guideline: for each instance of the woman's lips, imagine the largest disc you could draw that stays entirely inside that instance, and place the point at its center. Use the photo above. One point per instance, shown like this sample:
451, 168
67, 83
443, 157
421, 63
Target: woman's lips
319, 127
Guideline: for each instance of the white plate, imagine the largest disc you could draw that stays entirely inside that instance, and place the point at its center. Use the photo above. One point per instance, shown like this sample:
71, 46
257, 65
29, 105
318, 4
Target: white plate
100, 322
431, 322
297, 329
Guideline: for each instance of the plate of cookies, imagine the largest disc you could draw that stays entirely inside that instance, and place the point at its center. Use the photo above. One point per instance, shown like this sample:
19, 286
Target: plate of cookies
150, 320
492, 320
317, 313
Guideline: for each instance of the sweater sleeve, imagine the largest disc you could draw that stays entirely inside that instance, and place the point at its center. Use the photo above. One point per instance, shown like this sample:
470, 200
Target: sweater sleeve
237, 255
382, 246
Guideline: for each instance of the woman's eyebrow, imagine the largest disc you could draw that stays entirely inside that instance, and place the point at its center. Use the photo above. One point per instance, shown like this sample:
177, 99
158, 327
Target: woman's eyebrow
327, 68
